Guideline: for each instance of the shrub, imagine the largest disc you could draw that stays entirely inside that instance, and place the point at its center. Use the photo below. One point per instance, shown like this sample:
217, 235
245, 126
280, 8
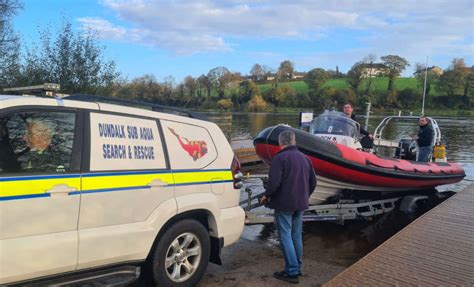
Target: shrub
224, 104
257, 104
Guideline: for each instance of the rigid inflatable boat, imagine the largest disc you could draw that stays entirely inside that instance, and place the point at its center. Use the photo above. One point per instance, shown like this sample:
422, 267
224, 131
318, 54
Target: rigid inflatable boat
341, 167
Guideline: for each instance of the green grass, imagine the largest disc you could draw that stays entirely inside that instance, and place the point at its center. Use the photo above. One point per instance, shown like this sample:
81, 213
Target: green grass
378, 84
297, 86
336, 84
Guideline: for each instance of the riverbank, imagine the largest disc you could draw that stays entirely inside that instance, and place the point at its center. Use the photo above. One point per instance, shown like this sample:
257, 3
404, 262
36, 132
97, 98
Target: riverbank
249, 263
377, 112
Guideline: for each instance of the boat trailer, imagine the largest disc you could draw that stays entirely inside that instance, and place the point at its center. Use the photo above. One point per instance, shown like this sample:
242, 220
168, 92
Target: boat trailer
339, 212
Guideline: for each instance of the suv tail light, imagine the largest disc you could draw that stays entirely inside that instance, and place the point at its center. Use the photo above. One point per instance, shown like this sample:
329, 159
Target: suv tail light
237, 175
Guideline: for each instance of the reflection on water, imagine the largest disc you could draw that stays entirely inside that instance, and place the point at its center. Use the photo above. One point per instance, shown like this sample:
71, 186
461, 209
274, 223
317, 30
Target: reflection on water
343, 245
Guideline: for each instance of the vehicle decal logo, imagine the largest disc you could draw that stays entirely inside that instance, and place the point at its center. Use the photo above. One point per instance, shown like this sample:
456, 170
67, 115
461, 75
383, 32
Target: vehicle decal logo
195, 148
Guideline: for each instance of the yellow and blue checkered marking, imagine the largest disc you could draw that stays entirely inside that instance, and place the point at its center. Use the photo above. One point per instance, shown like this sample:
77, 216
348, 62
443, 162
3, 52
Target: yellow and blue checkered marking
25, 187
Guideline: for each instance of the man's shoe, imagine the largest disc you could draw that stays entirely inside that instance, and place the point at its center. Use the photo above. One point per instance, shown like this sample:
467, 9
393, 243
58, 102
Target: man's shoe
282, 275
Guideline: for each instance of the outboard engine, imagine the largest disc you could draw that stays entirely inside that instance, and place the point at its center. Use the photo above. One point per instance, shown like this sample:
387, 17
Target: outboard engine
406, 149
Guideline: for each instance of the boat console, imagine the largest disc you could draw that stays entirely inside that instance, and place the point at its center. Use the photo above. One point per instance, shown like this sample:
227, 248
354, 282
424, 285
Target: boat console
336, 127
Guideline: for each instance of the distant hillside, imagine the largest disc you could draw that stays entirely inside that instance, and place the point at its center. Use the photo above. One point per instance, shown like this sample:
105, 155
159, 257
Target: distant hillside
379, 84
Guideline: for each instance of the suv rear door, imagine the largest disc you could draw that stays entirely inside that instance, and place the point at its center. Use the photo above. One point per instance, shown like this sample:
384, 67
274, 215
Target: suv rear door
127, 177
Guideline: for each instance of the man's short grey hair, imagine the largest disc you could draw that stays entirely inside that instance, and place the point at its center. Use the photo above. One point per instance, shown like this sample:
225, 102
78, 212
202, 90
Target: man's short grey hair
287, 138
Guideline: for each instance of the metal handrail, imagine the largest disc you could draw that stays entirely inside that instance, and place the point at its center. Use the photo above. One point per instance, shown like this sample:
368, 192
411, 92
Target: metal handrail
437, 132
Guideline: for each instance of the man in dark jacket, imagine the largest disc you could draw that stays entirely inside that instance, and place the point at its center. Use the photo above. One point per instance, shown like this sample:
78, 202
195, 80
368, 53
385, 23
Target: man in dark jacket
424, 140
291, 181
348, 110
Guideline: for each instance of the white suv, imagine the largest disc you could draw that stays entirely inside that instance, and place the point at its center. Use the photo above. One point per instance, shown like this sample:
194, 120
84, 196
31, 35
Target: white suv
87, 185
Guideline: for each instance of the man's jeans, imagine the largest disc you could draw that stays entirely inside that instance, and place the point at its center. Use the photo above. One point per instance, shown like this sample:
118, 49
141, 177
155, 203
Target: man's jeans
289, 226
424, 153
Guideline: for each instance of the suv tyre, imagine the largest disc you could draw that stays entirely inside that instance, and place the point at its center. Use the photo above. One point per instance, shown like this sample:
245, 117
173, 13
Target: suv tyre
182, 254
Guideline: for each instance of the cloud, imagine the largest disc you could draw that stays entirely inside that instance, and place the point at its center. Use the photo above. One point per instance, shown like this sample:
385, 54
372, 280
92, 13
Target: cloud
104, 29
187, 27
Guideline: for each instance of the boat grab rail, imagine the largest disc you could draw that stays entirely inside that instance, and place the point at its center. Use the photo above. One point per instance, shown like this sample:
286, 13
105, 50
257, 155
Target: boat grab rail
379, 130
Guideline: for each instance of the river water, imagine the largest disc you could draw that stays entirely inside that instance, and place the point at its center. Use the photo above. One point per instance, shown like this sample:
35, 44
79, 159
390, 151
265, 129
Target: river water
343, 245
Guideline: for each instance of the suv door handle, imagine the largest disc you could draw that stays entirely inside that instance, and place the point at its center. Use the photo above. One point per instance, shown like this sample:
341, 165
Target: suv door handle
158, 183
61, 189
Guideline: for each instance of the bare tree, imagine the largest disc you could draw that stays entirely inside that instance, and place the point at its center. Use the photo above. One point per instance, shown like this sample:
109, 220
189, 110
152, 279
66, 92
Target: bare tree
258, 73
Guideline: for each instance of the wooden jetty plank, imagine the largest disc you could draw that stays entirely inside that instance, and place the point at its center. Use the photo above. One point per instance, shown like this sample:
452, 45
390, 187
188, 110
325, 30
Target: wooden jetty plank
436, 249
245, 152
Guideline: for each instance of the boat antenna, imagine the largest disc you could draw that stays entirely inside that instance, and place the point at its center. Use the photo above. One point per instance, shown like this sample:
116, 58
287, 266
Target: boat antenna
367, 115
424, 88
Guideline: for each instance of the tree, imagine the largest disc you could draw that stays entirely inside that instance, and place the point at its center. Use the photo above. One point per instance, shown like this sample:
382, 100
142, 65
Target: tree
268, 71
75, 61
409, 98
369, 63
283, 96
224, 104
257, 104
146, 88
457, 64
248, 89
286, 70
258, 73
190, 86
169, 94
396, 65
316, 78
343, 96
230, 80
216, 77
431, 77
469, 90
205, 83
321, 99
9, 43
453, 81
355, 76
392, 99
288, 98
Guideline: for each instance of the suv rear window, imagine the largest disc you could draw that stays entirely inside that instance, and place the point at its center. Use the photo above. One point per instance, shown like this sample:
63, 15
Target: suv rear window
36, 142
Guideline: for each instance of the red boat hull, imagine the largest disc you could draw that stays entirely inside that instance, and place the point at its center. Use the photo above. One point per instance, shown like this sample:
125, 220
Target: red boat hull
348, 165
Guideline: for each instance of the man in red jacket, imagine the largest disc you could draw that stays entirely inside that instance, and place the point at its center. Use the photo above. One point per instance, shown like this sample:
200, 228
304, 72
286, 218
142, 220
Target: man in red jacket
291, 181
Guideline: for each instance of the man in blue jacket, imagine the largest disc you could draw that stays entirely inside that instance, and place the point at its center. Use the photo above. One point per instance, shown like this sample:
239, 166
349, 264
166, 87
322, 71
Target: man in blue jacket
291, 181
424, 140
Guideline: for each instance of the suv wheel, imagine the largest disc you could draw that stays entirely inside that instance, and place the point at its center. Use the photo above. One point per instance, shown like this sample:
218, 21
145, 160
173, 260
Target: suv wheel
182, 254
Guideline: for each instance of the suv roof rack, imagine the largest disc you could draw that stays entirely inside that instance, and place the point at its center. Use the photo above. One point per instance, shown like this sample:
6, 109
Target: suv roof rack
138, 104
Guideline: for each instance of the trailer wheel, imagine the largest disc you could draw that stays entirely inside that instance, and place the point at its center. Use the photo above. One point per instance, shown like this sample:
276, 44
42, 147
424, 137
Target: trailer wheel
182, 254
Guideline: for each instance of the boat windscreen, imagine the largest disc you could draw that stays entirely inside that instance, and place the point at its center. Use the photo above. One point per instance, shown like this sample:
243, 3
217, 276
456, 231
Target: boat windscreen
336, 123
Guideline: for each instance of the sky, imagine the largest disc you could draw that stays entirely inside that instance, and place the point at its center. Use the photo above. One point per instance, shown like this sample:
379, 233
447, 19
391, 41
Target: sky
179, 38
